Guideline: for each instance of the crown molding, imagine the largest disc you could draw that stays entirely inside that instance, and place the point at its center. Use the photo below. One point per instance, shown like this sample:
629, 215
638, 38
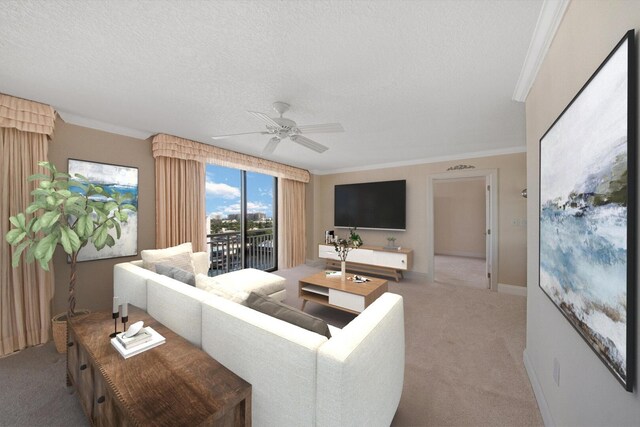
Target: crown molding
75, 119
463, 156
549, 19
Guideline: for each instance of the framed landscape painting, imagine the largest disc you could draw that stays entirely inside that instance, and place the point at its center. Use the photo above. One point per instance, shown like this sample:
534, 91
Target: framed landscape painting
123, 179
588, 211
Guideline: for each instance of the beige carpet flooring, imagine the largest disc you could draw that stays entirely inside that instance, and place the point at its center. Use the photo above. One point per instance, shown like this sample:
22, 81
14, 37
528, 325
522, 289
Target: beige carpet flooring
463, 354
463, 362
456, 270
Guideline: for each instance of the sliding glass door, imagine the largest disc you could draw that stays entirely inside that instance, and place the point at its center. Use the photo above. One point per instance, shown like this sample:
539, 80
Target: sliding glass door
241, 213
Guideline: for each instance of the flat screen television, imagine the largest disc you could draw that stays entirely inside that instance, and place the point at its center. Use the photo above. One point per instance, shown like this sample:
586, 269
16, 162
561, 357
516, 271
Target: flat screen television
371, 205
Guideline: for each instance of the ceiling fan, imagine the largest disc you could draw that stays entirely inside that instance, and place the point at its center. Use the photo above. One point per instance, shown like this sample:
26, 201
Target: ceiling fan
282, 128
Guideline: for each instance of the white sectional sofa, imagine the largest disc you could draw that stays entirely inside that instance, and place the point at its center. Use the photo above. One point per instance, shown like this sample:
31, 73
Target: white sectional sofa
298, 377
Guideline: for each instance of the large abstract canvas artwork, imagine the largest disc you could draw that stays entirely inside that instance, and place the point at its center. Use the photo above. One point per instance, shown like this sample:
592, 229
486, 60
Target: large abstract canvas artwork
587, 212
124, 180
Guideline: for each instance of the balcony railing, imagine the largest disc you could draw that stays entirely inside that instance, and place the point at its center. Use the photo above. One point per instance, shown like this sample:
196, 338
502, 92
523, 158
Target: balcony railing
225, 251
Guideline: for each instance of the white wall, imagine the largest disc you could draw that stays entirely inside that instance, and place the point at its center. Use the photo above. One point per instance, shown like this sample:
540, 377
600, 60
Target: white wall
588, 394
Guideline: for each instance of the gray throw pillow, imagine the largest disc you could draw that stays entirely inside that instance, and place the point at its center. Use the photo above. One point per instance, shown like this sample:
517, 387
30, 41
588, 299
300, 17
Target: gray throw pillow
176, 273
273, 308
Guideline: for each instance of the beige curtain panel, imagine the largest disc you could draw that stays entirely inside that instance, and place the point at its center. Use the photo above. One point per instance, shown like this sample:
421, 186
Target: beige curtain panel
25, 291
27, 116
180, 203
172, 146
292, 241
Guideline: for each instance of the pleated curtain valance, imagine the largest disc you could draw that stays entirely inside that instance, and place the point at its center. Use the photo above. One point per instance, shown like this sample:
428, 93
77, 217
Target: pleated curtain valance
180, 148
27, 116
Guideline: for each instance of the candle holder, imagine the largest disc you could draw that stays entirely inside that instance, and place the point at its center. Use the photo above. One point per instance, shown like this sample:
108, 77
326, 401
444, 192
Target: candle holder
115, 323
115, 313
125, 315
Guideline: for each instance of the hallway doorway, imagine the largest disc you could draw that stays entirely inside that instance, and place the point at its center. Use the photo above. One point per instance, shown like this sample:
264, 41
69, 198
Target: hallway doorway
461, 227
460, 232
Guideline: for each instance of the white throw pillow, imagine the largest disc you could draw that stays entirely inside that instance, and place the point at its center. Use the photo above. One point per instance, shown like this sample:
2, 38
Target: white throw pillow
230, 292
176, 256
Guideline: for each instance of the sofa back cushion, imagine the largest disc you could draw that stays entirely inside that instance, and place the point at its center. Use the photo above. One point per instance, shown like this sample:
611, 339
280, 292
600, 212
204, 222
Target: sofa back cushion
361, 369
176, 273
130, 283
178, 256
278, 360
176, 306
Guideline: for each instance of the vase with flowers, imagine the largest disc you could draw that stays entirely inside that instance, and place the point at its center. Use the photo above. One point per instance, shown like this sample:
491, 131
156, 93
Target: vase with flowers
343, 246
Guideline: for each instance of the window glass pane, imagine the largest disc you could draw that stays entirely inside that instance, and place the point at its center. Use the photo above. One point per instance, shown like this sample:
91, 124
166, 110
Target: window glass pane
223, 205
260, 231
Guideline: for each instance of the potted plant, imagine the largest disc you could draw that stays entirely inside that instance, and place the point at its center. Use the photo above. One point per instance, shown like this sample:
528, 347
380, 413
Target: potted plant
66, 212
343, 246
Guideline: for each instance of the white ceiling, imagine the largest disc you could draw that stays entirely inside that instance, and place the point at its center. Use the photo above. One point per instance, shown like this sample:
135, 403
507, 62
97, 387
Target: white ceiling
408, 80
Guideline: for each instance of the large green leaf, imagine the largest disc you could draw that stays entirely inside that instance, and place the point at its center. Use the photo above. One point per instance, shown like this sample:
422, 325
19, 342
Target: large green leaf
110, 242
47, 165
43, 247
76, 244
128, 206
49, 218
32, 208
14, 220
39, 177
15, 259
45, 184
61, 175
80, 226
89, 227
118, 229
22, 220
109, 206
64, 240
12, 236
64, 193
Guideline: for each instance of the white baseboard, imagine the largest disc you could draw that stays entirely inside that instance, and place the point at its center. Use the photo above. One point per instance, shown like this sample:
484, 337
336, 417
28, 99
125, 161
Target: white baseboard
512, 289
537, 391
462, 254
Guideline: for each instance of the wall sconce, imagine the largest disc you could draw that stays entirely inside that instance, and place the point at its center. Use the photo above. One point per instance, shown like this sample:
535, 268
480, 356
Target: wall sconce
524, 193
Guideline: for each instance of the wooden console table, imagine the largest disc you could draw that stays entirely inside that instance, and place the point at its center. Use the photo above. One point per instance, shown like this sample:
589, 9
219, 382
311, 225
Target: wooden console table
172, 384
371, 259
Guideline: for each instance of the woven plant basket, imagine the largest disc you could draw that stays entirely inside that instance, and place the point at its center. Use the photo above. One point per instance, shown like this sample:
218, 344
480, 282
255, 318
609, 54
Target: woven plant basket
59, 326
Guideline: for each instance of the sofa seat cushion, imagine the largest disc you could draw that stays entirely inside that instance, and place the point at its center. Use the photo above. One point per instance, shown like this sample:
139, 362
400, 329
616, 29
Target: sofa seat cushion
250, 280
273, 308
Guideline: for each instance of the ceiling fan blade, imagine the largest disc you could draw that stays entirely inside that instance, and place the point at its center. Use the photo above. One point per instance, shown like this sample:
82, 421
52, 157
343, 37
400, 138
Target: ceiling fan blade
271, 145
306, 142
268, 120
325, 127
237, 134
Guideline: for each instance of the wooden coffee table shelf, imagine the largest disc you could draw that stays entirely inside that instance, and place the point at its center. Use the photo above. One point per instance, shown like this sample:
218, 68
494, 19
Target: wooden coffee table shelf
172, 384
347, 296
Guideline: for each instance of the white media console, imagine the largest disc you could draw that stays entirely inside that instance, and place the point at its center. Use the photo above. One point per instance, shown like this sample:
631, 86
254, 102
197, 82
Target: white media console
371, 259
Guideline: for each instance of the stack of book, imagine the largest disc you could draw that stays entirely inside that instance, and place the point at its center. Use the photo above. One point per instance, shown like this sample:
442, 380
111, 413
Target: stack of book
144, 340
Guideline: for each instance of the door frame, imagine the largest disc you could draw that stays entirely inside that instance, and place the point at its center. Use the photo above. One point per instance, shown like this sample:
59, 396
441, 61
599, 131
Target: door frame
491, 180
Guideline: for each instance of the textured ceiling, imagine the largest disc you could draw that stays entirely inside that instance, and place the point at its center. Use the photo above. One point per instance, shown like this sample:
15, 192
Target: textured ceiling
407, 79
